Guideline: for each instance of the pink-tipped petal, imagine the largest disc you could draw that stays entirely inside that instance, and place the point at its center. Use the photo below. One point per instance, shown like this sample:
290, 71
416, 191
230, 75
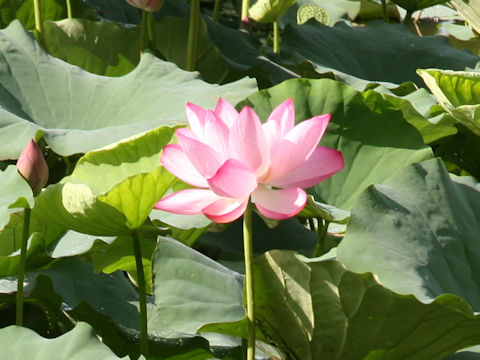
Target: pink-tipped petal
226, 112
225, 210
196, 118
323, 163
187, 202
248, 142
279, 204
203, 158
233, 179
174, 160
284, 115
297, 146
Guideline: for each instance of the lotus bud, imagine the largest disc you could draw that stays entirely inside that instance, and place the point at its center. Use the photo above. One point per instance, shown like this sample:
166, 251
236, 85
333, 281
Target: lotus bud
147, 5
32, 166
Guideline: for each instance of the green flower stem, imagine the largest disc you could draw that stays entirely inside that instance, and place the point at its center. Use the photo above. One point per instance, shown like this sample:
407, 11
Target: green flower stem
384, 10
143, 32
21, 270
248, 254
322, 232
193, 34
216, 10
150, 30
141, 294
311, 224
38, 18
245, 6
276, 38
408, 18
69, 9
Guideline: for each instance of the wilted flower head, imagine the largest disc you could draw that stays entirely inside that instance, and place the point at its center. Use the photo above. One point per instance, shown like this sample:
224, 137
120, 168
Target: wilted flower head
32, 166
230, 156
147, 5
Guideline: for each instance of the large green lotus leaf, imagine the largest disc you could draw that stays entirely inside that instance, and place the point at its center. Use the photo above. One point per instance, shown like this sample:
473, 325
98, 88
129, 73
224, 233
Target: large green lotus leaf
470, 11
16, 193
105, 48
110, 304
458, 92
414, 5
420, 109
417, 232
269, 10
372, 135
79, 111
359, 56
111, 190
81, 343
100, 47
192, 290
318, 310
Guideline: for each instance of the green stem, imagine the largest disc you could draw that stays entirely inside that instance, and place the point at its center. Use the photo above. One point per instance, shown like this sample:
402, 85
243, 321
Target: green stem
141, 294
248, 254
216, 10
322, 232
193, 35
21, 270
311, 224
408, 18
384, 10
150, 30
276, 38
143, 32
38, 18
245, 6
69, 9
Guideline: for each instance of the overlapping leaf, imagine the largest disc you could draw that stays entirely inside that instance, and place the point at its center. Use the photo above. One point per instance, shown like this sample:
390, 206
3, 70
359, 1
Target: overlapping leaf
78, 111
192, 290
417, 232
16, 194
311, 308
458, 93
373, 137
112, 190
81, 343
359, 55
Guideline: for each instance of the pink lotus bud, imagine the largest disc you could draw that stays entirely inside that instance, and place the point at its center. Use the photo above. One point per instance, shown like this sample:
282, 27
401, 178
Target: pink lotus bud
32, 166
147, 5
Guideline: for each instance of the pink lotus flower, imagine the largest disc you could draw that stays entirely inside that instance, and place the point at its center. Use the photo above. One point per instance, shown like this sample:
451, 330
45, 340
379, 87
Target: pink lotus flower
230, 156
147, 5
32, 166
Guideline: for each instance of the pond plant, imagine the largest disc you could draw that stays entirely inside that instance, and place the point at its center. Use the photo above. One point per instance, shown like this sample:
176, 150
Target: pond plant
239, 179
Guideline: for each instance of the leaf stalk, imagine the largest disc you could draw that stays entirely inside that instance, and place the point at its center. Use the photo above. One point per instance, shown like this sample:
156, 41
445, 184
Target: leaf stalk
193, 35
21, 270
276, 37
141, 294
